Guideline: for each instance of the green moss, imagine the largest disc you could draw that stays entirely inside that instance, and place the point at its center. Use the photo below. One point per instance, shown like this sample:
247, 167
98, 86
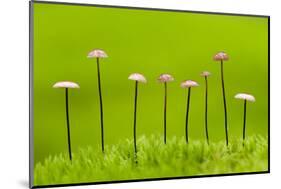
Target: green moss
155, 160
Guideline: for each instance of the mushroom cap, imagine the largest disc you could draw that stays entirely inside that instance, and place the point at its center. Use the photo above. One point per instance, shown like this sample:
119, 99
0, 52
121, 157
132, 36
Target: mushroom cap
97, 53
165, 78
137, 77
245, 96
205, 74
66, 84
221, 56
189, 83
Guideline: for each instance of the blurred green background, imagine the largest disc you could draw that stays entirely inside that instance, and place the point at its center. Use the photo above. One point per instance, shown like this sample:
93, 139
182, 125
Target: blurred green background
149, 42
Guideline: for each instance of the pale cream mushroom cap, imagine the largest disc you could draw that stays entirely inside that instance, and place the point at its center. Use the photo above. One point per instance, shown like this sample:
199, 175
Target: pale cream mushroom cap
221, 56
245, 96
165, 78
65, 84
205, 74
137, 77
189, 83
97, 53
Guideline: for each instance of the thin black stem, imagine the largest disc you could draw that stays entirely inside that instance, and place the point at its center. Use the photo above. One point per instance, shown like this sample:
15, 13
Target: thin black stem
101, 107
67, 124
135, 119
186, 118
224, 103
244, 121
206, 110
165, 112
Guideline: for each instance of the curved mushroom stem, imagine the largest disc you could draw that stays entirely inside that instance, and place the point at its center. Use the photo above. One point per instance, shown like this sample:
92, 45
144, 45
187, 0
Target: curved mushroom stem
67, 124
186, 118
165, 112
206, 110
135, 121
244, 121
224, 103
101, 107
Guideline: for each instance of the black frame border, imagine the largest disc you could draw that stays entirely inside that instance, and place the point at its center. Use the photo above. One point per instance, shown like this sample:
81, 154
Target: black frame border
31, 2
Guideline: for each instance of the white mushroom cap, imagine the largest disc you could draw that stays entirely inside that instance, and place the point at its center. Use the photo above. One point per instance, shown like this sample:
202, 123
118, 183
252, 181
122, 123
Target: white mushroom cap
165, 78
65, 84
205, 74
221, 56
97, 53
189, 83
137, 77
245, 96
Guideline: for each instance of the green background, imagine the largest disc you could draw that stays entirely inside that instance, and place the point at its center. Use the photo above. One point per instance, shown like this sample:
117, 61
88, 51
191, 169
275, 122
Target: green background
149, 42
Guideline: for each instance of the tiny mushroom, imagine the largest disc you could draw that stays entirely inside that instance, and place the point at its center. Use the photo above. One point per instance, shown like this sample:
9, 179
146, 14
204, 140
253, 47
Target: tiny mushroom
222, 56
246, 97
206, 74
98, 53
137, 77
188, 84
165, 78
66, 85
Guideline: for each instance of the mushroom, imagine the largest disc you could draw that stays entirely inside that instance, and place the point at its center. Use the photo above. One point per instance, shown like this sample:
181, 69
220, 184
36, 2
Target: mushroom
66, 85
98, 53
165, 78
245, 97
188, 84
206, 74
137, 78
222, 56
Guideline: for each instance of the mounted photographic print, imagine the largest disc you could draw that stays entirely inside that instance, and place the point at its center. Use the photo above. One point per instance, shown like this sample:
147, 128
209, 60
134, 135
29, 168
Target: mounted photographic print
120, 94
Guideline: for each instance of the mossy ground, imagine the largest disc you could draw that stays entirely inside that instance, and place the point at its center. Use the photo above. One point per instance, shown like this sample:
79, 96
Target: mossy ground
155, 160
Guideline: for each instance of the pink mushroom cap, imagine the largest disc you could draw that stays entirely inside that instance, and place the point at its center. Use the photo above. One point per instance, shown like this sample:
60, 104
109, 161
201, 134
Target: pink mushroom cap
221, 56
205, 74
189, 83
165, 78
66, 84
137, 77
245, 96
97, 53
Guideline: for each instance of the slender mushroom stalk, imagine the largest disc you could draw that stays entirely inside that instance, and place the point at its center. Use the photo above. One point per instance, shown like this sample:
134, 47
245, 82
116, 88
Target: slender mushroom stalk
66, 85
206, 74
165, 78
188, 84
222, 56
245, 97
137, 78
97, 53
